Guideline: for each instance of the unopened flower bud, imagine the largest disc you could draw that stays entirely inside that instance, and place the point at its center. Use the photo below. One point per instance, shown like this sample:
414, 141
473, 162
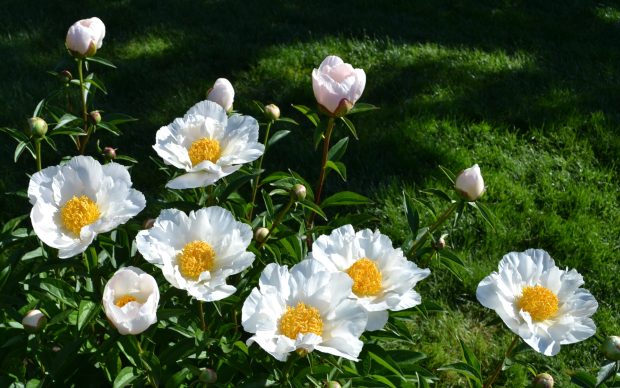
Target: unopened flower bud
56, 348
272, 112
441, 243
65, 76
261, 235
109, 153
148, 224
469, 183
542, 380
222, 93
207, 376
299, 192
333, 384
94, 117
37, 127
34, 321
611, 348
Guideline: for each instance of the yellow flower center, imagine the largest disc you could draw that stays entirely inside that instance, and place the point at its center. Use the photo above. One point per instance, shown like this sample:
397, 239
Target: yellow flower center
366, 277
301, 319
204, 149
124, 299
196, 258
79, 212
539, 301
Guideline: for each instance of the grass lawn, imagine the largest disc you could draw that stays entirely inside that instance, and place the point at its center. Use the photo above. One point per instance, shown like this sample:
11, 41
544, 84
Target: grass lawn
529, 90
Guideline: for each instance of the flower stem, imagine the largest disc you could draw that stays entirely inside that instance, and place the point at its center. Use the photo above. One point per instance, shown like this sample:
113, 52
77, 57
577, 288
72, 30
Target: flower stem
257, 179
498, 368
87, 129
149, 376
37, 148
440, 220
203, 325
277, 221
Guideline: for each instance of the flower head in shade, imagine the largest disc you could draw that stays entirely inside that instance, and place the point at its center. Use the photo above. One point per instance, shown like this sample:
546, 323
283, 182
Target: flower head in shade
337, 85
130, 300
197, 252
222, 93
85, 36
207, 144
383, 278
74, 202
304, 309
541, 303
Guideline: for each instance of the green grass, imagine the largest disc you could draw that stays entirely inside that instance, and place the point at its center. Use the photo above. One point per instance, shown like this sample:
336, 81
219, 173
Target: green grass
528, 90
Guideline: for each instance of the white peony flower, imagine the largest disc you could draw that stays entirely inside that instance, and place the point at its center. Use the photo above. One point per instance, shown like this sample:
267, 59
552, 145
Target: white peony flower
207, 144
130, 300
85, 36
303, 310
337, 85
78, 200
538, 301
222, 93
383, 278
198, 252
469, 183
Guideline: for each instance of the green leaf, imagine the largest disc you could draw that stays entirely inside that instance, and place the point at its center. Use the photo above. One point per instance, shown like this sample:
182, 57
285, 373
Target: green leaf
337, 150
20, 148
386, 364
281, 134
86, 312
464, 369
313, 207
471, 359
125, 377
382, 380
449, 174
349, 124
126, 158
362, 107
439, 193
584, 380
606, 372
309, 113
15, 134
59, 290
38, 108
413, 217
110, 128
101, 61
119, 118
288, 120
317, 137
345, 198
75, 131
339, 167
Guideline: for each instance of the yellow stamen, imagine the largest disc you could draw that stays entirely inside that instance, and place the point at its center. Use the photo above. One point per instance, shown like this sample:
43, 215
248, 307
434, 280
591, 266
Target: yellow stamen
204, 149
366, 277
79, 212
123, 300
539, 301
196, 258
301, 319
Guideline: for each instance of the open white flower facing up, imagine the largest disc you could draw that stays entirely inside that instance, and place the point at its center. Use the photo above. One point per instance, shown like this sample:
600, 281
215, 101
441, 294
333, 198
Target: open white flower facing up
130, 300
383, 278
198, 252
77, 200
207, 144
303, 310
538, 301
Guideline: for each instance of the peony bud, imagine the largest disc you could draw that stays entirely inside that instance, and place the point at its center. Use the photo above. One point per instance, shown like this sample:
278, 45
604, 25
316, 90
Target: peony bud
542, 380
94, 117
611, 348
34, 321
37, 127
469, 183
333, 384
299, 192
441, 243
222, 93
85, 37
337, 85
272, 112
207, 376
261, 235
65, 76
130, 300
109, 153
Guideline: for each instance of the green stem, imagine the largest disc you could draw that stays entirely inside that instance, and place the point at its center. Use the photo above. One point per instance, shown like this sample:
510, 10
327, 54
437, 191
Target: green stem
277, 221
149, 377
37, 148
498, 368
442, 218
87, 129
257, 179
203, 325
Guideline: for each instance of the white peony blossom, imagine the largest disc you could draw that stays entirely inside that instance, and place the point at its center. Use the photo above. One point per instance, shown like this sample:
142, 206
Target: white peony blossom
337, 85
207, 144
85, 36
130, 300
303, 310
541, 303
383, 278
74, 202
198, 252
222, 93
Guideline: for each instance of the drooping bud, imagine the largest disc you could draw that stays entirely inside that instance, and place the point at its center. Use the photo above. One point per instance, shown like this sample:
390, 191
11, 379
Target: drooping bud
34, 321
207, 376
261, 234
65, 76
611, 348
109, 153
299, 192
543, 380
272, 112
469, 183
94, 117
37, 127
222, 93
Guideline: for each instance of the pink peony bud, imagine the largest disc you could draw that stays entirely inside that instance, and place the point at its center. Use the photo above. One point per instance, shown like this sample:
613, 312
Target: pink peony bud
34, 321
337, 85
222, 93
85, 37
299, 192
469, 183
